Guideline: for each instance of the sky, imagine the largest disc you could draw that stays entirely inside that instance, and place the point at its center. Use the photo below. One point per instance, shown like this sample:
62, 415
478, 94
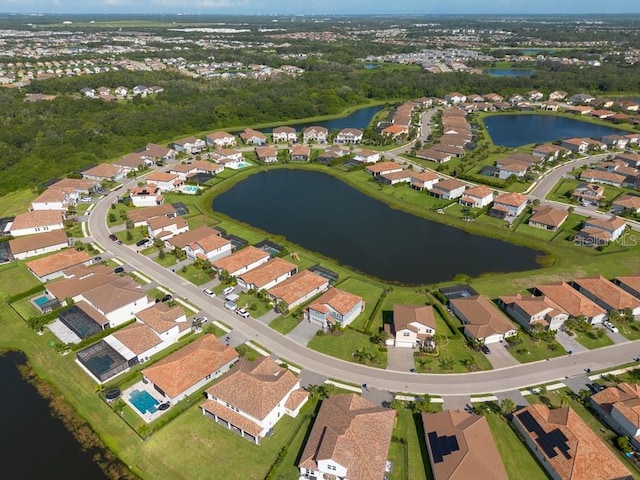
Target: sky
322, 6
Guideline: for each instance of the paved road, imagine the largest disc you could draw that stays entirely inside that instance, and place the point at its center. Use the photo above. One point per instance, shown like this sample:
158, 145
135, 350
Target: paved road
450, 384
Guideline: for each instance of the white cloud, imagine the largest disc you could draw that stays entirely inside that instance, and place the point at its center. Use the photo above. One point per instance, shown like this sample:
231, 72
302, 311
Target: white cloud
204, 3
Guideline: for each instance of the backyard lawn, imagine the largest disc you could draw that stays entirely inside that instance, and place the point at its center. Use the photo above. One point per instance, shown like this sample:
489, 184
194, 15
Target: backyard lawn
408, 451
370, 293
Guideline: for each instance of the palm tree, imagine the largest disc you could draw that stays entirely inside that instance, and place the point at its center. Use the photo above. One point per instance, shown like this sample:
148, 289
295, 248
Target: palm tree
360, 355
468, 362
446, 363
507, 406
424, 363
563, 397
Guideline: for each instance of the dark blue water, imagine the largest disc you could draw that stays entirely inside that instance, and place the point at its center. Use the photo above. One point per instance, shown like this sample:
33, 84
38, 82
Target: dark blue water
34, 443
517, 130
508, 72
359, 119
325, 215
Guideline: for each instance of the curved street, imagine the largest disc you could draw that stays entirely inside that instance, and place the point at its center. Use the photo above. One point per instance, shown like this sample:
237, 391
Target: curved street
492, 381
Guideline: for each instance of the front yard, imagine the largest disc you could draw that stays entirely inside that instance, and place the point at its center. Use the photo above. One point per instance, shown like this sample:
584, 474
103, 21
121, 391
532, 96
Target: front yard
525, 349
345, 345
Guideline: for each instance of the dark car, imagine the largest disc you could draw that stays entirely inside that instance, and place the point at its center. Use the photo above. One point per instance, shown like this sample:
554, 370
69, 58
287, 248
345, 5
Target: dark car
113, 237
485, 349
118, 270
97, 259
141, 243
166, 298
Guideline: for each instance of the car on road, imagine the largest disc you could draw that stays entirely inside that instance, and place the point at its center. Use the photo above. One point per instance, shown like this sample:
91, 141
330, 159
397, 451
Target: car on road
610, 326
227, 290
230, 305
208, 292
119, 242
485, 349
242, 312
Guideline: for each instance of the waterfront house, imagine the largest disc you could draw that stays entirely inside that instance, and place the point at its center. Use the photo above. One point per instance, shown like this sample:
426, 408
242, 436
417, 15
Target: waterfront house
36, 221
274, 392
299, 288
395, 131
448, 189
576, 145
531, 310
241, 261
548, 217
267, 154
350, 439
167, 182
220, 140
267, 275
253, 137
411, 327
547, 151
146, 196
619, 406
424, 180
382, 168
597, 232
315, 134
571, 301
335, 308
189, 369
477, 197
285, 134
203, 242
300, 153
393, 178
619, 142
607, 294
33, 245
482, 320
461, 447
566, 446
367, 156
349, 135
508, 206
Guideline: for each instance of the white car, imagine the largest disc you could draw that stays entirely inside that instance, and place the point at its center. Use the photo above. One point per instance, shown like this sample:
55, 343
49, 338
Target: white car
230, 305
242, 312
227, 290
610, 326
202, 320
208, 292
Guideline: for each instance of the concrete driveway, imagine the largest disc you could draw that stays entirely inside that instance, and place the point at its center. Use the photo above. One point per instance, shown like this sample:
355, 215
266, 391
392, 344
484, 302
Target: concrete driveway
457, 402
400, 359
518, 399
304, 332
577, 382
616, 337
569, 343
500, 356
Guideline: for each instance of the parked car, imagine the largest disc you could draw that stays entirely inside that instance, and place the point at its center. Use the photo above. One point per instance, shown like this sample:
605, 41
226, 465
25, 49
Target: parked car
166, 298
242, 312
485, 349
86, 200
202, 320
118, 270
610, 326
228, 290
113, 237
230, 305
97, 259
208, 292
143, 243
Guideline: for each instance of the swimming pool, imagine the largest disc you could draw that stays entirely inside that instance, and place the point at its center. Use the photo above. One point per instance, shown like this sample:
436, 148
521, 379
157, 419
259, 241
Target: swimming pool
190, 189
243, 164
41, 300
143, 401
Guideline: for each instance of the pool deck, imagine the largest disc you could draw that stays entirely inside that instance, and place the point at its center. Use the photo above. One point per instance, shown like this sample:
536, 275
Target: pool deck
147, 417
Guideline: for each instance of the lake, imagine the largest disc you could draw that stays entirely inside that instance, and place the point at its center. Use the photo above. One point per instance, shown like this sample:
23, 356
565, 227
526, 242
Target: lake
325, 215
508, 72
359, 119
517, 130
34, 443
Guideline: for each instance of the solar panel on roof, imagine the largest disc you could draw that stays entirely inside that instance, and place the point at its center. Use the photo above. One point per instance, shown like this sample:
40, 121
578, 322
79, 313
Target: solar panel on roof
442, 446
435, 447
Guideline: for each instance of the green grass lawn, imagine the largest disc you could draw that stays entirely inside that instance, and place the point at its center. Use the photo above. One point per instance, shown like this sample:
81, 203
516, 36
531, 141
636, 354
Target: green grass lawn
16, 278
17, 202
25, 308
535, 232
344, 345
518, 461
590, 341
532, 351
195, 275
629, 330
168, 260
284, 323
407, 451
252, 304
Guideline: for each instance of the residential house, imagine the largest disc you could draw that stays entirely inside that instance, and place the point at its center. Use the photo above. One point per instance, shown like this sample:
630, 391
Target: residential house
534, 95
202, 242
132, 162
189, 145
36, 221
395, 131
367, 156
382, 168
548, 217
142, 216
619, 406
241, 261
629, 283
335, 308
448, 189
117, 302
508, 205
122, 91
433, 155
349, 135
411, 327
477, 197
461, 447
156, 328
220, 140
299, 288
79, 185
457, 152
189, 369
315, 134
550, 106
576, 145
53, 266
571, 301
493, 97
393, 178
164, 228
597, 232
350, 439
158, 153
589, 193
55, 199
330, 154
455, 98
285, 134
267, 154
482, 320
607, 294
253, 137
581, 98
566, 446
509, 168
33, 245
627, 203
141, 90
83, 278
619, 142
599, 176
165, 181
268, 275
104, 171
146, 196
531, 310
558, 95
301, 153
274, 392
547, 151
424, 180
630, 158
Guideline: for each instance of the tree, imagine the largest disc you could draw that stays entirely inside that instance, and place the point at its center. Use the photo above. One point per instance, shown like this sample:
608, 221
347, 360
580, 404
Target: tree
424, 363
482, 408
446, 363
379, 338
624, 444
507, 407
563, 397
468, 362
422, 404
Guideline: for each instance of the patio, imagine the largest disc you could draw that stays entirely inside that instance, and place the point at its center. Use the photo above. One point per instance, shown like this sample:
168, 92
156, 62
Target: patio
142, 390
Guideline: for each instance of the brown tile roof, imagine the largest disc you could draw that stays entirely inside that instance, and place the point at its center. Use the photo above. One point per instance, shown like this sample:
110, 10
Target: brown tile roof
151, 190
70, 287
161, 177
37, 218
315, 129
547, 215
197, 234
131, 160
448, 185
250, 132
209, 243
53, 195
296, 287
422, 177
533, 305
479, 191
300, 150
610, 224
403, 315
144, 214
268, 151
477, 457
240, 259
588, 456
189, 365
104, 170
608, 292
75, 183
632, 281
58, 261
138, 337
599, 175
570, 300
220, 136
158, 223
234, 418
156, 151
483, 317
267, 381
513, 199
383, 167
296, 398
267, 272
632, 202
161, 317
341, 301
401, 175
39, 240
624, 392
284, 130
354, 433
112, 296
431, 153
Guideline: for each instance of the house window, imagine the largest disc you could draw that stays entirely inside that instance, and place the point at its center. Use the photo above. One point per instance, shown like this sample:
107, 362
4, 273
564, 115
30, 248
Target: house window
406, 334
